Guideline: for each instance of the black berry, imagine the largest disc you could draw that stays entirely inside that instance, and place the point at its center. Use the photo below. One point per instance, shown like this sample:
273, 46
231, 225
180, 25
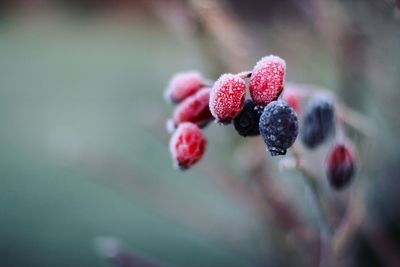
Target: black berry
247, 122
318, 122
278, 127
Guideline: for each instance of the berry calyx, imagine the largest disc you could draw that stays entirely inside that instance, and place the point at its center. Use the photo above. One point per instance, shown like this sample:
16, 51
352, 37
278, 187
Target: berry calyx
267, 80
318, 122
227, 97
278, 127
340, 166
247, 122
194, 109
183, 85
187, 145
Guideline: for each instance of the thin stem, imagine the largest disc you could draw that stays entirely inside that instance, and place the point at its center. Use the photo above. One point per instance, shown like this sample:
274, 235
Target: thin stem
277, 203
316, 204
354, 119
325, 234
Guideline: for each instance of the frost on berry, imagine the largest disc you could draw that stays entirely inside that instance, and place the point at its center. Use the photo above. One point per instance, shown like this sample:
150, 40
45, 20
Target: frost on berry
187, 145
318, 121
340, 166
194, 109
247, 122
182, 85
227, 97
278, 127
267, 80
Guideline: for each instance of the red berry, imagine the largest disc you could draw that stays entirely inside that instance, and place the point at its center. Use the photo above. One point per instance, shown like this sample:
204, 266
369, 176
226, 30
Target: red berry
267, 80
182, 85
227, 97
340, 166
292, 96
187, 145
194, 109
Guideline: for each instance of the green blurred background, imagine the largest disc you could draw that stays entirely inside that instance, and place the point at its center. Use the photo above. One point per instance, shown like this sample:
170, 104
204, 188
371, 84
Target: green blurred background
83, 139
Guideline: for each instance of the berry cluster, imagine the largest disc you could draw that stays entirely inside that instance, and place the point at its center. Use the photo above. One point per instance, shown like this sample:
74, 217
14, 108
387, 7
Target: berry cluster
271, 111
190, 92
225, 102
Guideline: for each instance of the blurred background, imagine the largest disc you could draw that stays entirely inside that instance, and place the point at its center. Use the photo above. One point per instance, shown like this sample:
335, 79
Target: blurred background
84, 148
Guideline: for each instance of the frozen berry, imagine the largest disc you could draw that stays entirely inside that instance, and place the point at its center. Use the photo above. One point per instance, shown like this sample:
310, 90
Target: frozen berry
246, 123
267, 80
340, 166
227, 97
194, 109
278, 127
187, 145
182, 85
318, 122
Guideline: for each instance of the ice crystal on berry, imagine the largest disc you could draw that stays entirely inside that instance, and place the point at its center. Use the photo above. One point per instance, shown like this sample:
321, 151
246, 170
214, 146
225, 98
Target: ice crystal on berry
194, 109
267, 80
278, 127
187, 145
182, 85
227, 97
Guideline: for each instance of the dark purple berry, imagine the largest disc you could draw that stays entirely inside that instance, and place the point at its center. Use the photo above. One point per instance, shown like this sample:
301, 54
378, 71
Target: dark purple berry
247, 122
278, 127
340, 166
318, 122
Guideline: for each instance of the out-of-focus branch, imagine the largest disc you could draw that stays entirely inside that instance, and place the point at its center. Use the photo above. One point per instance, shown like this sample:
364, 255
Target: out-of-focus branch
278, 205
354, 119
266, 196
350, 223
384, 247
317, 205
220, 23
212, 20
113, 250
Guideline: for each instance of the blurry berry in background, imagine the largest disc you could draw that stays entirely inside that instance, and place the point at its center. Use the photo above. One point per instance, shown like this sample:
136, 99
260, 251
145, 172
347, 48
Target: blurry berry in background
267, 80
318, 122
292, 96
247, 122
194, 109
278, 127
340, 166
183, 85
187, 145
227, 97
